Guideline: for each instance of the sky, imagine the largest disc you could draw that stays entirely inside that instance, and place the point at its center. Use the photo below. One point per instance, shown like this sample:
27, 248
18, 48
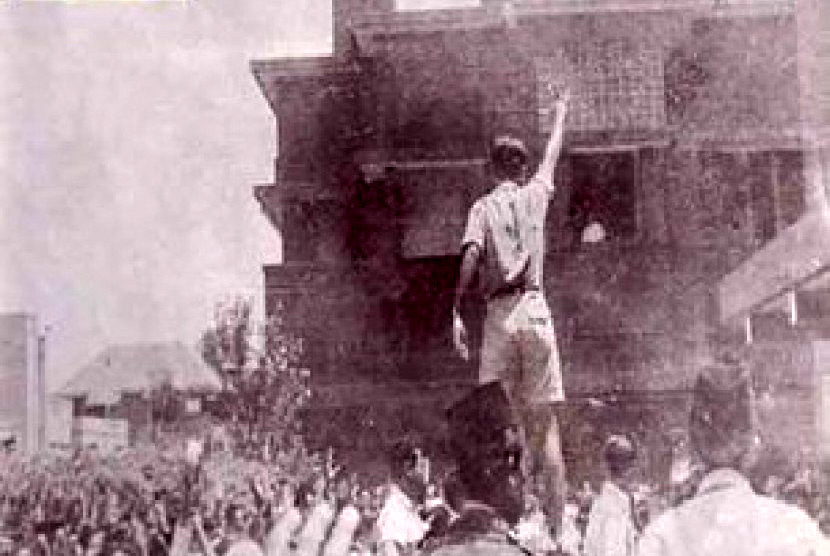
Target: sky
131, 134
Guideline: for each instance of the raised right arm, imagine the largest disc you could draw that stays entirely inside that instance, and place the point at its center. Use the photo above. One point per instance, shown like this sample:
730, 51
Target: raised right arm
554, 145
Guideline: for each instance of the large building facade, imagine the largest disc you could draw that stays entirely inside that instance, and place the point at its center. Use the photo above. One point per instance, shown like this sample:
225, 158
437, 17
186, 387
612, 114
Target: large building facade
696, 139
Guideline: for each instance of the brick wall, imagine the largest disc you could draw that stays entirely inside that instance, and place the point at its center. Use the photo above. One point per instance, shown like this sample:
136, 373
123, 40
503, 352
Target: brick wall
634, 314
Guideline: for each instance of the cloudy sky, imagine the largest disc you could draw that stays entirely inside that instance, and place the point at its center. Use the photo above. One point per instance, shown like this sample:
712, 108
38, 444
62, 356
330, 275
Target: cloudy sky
130, 136
131, 133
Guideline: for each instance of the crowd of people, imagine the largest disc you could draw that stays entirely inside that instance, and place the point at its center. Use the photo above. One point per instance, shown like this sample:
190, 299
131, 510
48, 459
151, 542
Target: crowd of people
156, 502
130, 502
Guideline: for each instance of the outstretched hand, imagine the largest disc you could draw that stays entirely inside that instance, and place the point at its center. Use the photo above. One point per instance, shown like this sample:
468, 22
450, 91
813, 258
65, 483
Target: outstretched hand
287, 537
561, 95
562, 100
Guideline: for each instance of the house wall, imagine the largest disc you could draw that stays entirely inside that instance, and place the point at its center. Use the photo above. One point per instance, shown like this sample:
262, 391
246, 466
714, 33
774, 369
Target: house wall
382, 151
21, 386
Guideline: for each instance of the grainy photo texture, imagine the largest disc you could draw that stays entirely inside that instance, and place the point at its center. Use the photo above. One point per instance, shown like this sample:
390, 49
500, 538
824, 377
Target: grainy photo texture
415, 277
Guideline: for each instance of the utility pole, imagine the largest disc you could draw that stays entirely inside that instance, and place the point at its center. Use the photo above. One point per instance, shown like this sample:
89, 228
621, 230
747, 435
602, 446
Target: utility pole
41, 387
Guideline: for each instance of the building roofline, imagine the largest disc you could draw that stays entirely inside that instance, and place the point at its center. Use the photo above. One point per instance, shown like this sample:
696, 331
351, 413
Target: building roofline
267, 71
492, 15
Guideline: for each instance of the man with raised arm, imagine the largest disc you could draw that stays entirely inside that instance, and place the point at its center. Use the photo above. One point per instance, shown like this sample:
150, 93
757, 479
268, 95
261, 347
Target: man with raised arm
504, 243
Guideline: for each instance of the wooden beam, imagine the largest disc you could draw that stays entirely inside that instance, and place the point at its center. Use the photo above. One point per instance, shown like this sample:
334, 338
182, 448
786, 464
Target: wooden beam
796, 255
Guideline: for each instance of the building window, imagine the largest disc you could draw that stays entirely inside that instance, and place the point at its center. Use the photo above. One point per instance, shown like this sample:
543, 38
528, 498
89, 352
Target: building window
602, 204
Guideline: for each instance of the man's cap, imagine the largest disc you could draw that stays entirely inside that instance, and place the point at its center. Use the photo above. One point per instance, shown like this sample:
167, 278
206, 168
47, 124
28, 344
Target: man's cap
480, 417
507, 146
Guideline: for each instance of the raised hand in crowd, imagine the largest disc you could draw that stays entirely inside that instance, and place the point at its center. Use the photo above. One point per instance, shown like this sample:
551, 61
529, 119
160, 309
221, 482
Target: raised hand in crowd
312, 538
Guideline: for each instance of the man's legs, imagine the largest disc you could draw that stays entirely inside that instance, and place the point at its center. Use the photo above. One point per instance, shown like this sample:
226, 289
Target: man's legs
547, 464
500, 362
540, 388
519, 349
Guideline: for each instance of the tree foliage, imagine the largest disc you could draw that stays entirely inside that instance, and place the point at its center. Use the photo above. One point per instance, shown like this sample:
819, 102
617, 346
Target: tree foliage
266, 386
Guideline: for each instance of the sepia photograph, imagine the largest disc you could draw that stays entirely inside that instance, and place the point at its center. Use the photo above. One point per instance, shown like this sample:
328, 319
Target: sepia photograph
414, 277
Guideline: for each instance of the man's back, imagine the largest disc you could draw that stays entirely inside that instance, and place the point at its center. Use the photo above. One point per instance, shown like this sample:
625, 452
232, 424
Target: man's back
508, 224
728, 518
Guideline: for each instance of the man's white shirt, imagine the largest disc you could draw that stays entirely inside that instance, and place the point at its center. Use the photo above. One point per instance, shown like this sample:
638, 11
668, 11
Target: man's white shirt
508, 224
726, 518
610, 530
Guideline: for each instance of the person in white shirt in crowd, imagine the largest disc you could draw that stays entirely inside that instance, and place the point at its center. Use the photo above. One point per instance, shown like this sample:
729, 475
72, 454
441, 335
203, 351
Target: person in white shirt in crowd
239, 541
532, 532
726, 517
611, 530
400, 522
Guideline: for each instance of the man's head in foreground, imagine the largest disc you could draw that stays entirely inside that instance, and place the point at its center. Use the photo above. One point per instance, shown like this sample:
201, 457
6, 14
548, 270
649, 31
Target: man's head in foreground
485, 447
721, 423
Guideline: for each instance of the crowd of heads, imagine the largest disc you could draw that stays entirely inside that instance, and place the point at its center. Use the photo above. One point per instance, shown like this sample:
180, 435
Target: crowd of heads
89, 503
131, 502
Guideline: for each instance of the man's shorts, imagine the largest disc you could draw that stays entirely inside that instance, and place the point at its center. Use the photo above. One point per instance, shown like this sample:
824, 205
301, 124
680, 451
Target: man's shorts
519, 348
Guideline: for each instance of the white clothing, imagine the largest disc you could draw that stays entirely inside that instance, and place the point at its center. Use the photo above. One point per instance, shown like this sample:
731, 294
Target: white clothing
244, 547
519, 341
531, 533
727, 518
610, 530
399, 520
508, 225
519, 348
593, 233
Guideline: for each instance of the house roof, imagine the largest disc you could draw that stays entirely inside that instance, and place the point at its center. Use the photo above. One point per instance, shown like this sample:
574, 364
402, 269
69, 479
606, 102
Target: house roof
138, 368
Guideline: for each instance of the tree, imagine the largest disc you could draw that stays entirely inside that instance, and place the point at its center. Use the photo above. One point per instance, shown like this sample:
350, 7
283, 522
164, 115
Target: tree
226, 345
260, 364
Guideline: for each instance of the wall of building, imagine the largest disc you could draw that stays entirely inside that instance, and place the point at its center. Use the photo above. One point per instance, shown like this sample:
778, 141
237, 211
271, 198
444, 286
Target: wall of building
59, 422
22, 391
383, 148
424, 100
